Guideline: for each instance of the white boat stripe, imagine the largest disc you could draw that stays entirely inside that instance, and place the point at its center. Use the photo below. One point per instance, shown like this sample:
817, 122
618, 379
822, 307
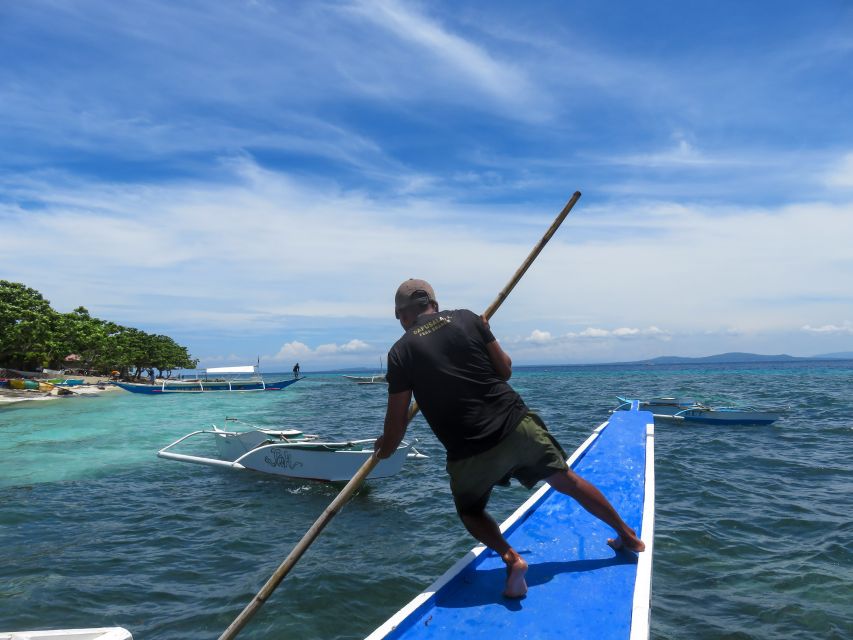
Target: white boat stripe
641, 609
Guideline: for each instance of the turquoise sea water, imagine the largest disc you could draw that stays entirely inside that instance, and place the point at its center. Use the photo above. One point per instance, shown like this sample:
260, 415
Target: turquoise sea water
754, 524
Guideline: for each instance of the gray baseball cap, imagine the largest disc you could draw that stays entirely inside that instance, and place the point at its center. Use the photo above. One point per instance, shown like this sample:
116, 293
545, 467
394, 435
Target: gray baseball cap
412, 291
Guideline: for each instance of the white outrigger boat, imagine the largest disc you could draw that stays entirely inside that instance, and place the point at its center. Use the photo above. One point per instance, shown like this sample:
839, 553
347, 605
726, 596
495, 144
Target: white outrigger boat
377, 379
291, 453
688, 410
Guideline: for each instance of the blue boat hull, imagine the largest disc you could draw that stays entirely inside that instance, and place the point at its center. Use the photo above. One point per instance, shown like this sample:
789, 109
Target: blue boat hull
578, 587
721, 416
205, 387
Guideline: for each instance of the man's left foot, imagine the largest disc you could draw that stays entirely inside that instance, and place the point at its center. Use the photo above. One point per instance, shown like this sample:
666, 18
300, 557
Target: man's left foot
516, 585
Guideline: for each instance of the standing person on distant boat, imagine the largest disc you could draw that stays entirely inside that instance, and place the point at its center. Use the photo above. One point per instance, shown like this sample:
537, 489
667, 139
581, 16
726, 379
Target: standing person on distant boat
296, 370
457, 372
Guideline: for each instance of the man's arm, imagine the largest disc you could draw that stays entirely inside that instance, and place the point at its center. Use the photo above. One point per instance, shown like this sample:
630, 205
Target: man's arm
500, 359
396, 421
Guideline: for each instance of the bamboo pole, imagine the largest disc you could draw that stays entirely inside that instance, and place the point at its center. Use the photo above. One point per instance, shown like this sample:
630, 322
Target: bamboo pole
360, 475
504, 293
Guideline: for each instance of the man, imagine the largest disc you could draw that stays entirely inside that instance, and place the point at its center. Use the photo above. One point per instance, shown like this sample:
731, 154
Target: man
296, 370
457, 372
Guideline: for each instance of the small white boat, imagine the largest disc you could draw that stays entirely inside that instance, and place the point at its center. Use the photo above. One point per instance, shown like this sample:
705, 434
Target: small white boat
377, 379
688, 410
104, 633
291, 453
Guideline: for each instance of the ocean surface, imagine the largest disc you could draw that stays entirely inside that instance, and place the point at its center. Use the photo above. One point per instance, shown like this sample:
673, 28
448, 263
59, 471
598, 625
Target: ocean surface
754, 525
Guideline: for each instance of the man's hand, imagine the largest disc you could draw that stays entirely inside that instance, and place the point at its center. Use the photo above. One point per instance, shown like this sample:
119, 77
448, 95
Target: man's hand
378, 448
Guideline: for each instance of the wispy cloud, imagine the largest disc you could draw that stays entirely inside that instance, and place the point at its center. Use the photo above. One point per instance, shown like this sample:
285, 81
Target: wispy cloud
597, 333
840, 176
844, 329
683, 153
453, 55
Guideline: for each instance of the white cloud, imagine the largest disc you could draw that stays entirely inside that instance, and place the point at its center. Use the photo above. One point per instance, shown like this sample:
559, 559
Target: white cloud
323, 353
353, 346
844, 329
620, 333
625, 332
291, 351
538, 336
592, 332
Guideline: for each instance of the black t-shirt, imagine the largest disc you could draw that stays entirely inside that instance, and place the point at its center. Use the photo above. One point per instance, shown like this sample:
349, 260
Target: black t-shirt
444, 361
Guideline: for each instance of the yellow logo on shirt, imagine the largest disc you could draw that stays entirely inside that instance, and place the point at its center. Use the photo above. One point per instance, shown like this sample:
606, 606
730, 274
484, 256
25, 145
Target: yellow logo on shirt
433, 325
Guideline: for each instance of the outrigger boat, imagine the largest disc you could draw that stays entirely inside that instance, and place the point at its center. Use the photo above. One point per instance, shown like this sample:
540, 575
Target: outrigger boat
290, 453
378, 378
578, 587
688, 410
227, 379
66, 382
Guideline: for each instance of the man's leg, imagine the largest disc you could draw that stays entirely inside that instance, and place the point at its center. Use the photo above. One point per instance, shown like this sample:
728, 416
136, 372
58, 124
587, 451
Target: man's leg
484, 528
591, 499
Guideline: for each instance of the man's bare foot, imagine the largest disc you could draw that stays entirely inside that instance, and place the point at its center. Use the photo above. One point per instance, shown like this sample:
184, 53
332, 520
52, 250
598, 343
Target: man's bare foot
627, 543
516, 568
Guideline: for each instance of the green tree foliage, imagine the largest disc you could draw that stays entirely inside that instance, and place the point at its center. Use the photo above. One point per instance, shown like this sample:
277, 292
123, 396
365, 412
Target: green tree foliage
26, 325
33, 335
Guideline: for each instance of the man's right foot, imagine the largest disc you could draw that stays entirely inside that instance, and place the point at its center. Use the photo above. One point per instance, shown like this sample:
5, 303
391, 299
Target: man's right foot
627, 543
516, 568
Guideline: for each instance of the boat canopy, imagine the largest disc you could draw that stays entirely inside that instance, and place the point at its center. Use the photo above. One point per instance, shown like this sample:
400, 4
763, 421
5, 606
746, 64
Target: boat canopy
248, 369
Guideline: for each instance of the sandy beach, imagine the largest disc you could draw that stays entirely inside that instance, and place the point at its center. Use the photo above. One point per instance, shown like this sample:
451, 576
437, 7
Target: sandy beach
92, 385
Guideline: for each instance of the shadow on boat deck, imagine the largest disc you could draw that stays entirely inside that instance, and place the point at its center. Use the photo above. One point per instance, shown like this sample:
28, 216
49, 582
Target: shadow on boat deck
483, 586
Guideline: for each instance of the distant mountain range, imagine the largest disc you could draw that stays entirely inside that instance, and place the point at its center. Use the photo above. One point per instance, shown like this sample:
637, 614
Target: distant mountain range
735, 357
842, 355
721, 358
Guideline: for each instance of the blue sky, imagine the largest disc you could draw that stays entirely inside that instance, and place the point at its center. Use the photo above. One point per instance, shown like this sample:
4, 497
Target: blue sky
257, 177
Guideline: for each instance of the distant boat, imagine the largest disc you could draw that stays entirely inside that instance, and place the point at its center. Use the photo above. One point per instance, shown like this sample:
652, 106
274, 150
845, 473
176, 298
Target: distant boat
66, 382
675, 409
291, 453
378, 378
227, 379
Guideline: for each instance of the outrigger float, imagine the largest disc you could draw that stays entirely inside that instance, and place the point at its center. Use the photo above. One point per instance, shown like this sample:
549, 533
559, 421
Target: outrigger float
578, 586
290, 453
671, 409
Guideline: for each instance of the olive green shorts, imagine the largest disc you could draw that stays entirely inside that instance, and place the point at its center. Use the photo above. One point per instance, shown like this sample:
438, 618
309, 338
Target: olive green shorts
528, 454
